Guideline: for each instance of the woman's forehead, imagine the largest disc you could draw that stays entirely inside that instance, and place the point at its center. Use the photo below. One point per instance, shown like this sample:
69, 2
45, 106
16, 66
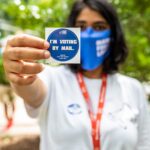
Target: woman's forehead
90, 15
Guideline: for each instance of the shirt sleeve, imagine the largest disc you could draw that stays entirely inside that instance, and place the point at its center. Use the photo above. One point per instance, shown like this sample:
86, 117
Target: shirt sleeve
46, 77
143, 122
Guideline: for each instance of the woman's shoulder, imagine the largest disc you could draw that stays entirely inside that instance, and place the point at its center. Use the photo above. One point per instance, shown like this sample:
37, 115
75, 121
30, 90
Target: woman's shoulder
56, 72
56, 69
127, 81
131, 87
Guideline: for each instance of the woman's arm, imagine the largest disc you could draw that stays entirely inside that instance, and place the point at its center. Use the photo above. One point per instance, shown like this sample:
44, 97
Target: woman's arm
33, 94
19, 60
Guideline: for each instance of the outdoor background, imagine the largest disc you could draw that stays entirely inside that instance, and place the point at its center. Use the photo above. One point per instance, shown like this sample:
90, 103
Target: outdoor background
32, 16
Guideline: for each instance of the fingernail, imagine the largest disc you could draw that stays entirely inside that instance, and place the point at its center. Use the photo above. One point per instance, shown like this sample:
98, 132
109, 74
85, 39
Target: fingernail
46, 54
46, 45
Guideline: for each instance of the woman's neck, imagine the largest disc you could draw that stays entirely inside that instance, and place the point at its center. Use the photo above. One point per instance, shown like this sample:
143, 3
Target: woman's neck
94, 74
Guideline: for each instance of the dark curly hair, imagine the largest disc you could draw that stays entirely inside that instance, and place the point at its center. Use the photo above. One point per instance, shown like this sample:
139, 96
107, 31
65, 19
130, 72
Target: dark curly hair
119, 50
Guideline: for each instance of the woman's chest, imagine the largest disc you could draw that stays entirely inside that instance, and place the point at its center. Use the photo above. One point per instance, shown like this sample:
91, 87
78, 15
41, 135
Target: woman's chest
69, 119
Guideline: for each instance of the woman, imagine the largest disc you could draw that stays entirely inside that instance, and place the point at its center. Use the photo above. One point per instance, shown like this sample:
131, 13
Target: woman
87, 106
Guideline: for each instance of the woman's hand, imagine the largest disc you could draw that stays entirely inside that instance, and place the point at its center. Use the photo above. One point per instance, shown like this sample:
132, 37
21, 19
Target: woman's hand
19, 58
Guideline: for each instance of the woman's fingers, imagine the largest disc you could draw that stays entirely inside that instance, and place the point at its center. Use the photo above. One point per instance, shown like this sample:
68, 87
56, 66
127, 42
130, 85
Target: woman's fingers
21, 67
19, 58
21, 80
26, 53
27, 41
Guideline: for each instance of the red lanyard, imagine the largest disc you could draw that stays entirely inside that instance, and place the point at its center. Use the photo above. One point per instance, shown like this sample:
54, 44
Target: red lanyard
95, 119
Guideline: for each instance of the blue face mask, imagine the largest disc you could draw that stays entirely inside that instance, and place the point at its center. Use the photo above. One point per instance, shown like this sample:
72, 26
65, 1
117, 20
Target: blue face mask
95, 47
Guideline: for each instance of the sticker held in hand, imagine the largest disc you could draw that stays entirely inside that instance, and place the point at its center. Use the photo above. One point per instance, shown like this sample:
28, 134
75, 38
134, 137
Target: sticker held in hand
64, 45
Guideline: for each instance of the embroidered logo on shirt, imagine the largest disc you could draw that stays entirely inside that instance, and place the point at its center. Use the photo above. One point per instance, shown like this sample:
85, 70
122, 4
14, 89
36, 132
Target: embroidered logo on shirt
74, 109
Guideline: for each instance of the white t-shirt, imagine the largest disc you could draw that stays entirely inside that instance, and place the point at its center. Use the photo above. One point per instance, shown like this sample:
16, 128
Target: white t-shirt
64, 119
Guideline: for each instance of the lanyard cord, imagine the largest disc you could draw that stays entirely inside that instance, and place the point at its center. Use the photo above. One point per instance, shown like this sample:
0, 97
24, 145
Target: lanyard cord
95, 119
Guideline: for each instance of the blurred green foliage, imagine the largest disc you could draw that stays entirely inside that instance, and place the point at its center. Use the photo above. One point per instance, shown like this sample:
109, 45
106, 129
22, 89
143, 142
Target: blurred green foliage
134, 16
3, 79
135, 19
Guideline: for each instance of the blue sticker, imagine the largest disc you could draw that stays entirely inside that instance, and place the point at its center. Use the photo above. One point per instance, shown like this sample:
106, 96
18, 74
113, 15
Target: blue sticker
74, 109
64, 44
